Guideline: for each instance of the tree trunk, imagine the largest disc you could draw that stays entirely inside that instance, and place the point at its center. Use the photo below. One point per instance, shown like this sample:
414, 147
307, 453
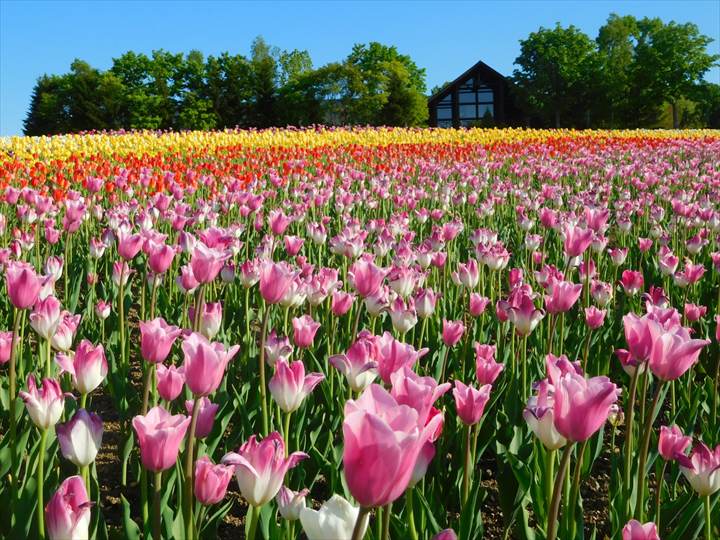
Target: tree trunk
557, 118
676, 121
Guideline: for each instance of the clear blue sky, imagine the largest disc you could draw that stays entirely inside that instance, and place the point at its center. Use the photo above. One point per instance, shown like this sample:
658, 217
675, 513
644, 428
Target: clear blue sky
444, 37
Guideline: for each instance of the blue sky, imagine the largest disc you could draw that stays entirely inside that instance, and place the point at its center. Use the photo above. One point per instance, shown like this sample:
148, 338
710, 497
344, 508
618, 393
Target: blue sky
444, 37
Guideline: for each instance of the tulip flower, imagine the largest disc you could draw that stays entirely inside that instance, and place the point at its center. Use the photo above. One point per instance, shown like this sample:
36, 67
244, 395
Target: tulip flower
358, 365
425, 302
392, 355
673, 352
102, 309
452, 332
275, 280
23, 285
562, 297
205, 416
634, 530
576, 240
129, 245
487, 369
377, 474
206, 262
468, 274
88, 366
277, 348
694, 313
80, 438
68, 511
594, 317
65, 332
335, 519
632, 282
5, 346
304, 331
478, 304
447, 534
45, 404
540, 417
160, 434
525, 316
205, 363
170, 381
160, 258
470, 402
211, 481
210, 318
702, 469
417, 392
672, 442
581, 406
341, 302
156, 339
260, 467
291, 503
290, 386
365, 277
46, 317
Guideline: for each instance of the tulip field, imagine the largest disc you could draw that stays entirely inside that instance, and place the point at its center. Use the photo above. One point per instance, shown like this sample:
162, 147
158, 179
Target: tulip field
348, 333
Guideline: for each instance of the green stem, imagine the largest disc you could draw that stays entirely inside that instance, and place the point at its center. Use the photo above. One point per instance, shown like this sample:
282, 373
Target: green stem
286, 431
358, 530
261, 368
557, 489
188, 510
410, 514
13, 420
254, 518
708, 523
576, 488
48, 358
639, 506
40, 486
387, 511
629, 440
549, 477
157, 491
658, 490
466, 471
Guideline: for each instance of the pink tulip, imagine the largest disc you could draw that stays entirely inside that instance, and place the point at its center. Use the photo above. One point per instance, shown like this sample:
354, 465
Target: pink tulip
581, 406
290, 386
694, 313
170, 381
211, 481
186, 280
278, 221
88, 366
293, 245
702, 469
638, 336
205, 416
672, 442
304, 330
524, 315
275, 280
540, 417
365, 277
5, 347
632, 282
673, 352
45, 404
470, 402
160, 258
634, 530
594, 317
260, 467
129, 245
65, 332
576, 240
382, 442
120, 273
486, 368
290, 503
67, 514
392, 355
425, 302
81, 437
447, 534
277, 348
210, 318
159, 434
23, 284
468, 274
341, 302
452, 332
478, 304
206, 262
46, 317
156, 339
358, 364
417, 392
205, 363
563, 296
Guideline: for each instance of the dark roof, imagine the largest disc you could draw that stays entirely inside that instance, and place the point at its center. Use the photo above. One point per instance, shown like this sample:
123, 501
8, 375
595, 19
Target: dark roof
487, 72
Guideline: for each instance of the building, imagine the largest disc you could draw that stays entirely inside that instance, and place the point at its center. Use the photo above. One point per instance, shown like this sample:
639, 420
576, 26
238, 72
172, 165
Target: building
477, 97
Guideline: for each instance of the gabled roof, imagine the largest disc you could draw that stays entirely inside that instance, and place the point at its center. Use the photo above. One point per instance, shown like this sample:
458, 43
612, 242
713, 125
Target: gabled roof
481, 67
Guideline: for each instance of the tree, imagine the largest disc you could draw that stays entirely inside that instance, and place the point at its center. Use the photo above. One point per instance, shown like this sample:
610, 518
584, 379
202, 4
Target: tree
404, 106
556, 70
49, 112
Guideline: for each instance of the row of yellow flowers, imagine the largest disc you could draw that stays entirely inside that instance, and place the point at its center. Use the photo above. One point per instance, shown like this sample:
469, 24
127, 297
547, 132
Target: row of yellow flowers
155, 142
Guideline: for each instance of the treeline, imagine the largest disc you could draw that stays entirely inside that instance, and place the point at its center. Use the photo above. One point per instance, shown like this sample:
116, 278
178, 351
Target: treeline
374, 85
636, 73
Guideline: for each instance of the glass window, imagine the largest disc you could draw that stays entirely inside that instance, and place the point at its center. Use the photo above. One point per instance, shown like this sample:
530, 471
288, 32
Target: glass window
470, 83
485, 95
484, 109
467, 97
444, 113
468, 111
447, 100
444, 123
